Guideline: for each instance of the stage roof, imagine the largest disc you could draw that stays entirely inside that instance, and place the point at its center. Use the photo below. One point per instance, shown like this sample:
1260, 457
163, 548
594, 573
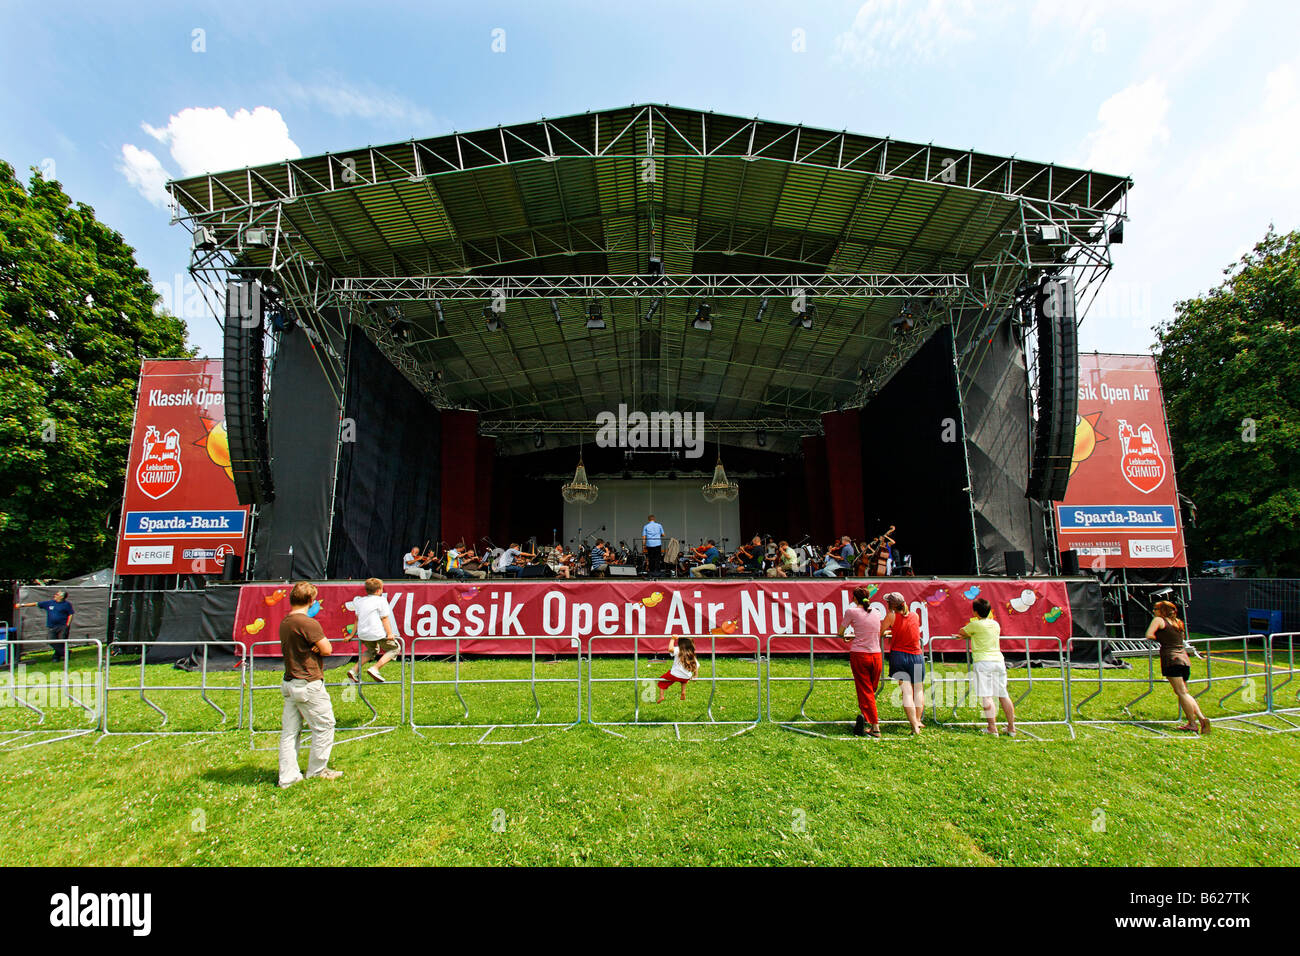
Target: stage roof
598, 195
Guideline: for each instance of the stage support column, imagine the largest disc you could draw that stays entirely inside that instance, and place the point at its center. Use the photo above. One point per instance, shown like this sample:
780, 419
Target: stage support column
460, 475
844, 471
817, 488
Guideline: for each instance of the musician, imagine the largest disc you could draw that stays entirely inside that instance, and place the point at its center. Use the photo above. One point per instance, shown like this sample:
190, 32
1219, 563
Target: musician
416, 565
708, 554
562, 562
456, 563
512, 560
786, 561
749, 557
843, 554
653, 533
599, 558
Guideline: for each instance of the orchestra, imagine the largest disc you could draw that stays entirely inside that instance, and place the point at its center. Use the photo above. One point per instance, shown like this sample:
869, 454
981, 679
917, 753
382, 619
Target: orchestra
760, 556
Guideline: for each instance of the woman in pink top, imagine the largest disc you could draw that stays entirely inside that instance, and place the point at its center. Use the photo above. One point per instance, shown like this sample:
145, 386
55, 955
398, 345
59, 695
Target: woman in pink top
864, 660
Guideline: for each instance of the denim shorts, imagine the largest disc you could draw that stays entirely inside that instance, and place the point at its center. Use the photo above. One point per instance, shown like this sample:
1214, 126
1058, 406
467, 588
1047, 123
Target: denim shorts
908, 667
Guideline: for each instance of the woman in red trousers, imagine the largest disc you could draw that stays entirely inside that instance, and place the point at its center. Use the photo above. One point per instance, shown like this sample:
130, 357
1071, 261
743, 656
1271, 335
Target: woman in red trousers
864, 660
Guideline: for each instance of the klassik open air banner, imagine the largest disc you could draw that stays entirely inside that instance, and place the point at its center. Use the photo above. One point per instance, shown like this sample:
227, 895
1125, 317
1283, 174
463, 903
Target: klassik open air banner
1121, 505
180, 513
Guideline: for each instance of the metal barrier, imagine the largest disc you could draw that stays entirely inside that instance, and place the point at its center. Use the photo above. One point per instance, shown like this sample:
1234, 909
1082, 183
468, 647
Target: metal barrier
143, 688
636, 680
372, 729
1063, 679
1244, 679
1148, 682
532, 680
20, 690
1281, 705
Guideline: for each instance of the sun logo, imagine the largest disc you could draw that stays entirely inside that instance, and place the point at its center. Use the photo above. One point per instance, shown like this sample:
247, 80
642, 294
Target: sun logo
217, 444
1086, 439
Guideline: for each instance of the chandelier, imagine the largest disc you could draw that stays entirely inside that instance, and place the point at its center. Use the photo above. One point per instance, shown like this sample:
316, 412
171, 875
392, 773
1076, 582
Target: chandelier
579, 491
720, 489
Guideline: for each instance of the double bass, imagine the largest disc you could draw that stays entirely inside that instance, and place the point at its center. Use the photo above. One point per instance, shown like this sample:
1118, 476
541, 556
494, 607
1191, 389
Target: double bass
873, 556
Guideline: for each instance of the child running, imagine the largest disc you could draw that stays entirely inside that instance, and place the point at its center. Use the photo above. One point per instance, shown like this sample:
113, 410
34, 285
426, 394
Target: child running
989, 666
375, 635
685, 666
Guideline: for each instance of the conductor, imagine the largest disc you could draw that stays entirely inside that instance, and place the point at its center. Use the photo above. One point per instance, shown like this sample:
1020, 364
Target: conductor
653, 533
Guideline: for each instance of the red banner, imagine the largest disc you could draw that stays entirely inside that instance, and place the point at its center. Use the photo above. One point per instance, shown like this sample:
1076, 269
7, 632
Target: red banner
1121, 507
180, 514
566, 615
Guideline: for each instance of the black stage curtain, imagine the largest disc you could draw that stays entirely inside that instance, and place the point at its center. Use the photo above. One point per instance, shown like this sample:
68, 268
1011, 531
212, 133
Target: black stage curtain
388, 491
912, 477
996, 404
303, 432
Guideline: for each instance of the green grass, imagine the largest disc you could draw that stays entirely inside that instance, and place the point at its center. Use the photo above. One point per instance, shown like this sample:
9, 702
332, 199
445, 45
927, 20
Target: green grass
769, 796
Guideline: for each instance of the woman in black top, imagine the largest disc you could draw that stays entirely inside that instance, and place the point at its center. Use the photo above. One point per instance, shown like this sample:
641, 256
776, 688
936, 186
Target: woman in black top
1175, 665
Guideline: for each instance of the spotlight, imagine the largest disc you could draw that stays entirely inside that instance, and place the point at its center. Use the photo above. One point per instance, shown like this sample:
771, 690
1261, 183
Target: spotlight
205, 238
762, 310
655, 271
437, 310
595, 316
653, 310
702, 321
761, 437
1117, 233
805, 317
1048, 233
902, 324
493, 322
555, 311
538, 440
256, 238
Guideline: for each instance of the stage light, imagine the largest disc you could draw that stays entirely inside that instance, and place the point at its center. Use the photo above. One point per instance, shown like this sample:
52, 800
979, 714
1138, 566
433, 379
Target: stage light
653, 310
555, 311
1117, 233
655, 272
902, 324
493, 322
538, 439
205, 238
1048, 234
702, 321
256, 238
595, 316
437, 310
805, 317
762, 310
761, 437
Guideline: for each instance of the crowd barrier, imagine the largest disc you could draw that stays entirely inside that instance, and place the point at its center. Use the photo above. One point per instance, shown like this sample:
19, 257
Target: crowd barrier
456, 682
143, 688
370, 727
639, 687
20, 690
1244, 683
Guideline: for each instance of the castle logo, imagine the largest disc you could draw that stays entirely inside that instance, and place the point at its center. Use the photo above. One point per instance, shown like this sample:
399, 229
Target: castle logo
1141, 463
159, 470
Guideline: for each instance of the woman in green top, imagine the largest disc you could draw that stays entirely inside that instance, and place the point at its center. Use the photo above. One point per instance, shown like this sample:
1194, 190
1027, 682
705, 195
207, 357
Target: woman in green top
1166, 629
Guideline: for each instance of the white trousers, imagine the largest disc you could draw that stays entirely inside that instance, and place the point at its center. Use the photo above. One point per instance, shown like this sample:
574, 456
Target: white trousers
306, 703
422, 573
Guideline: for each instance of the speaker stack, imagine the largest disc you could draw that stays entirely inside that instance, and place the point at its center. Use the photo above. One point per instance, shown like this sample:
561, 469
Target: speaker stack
244, 371
1058, 390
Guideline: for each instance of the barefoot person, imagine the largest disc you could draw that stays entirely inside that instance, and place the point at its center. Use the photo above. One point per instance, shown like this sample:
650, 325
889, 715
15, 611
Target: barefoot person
1169, 631
906, 659
375, 634
989, 667
685, 666
864, 659
306, 701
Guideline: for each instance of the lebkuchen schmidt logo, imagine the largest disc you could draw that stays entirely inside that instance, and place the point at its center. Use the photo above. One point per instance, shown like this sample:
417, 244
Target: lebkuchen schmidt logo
1142, 464
160, 468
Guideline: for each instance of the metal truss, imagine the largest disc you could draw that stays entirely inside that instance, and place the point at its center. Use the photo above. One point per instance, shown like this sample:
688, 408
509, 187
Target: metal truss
533, 426
425, 288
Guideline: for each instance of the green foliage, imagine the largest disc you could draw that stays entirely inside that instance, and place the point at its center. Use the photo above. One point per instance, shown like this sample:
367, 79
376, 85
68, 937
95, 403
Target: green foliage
1228, 367
76, 317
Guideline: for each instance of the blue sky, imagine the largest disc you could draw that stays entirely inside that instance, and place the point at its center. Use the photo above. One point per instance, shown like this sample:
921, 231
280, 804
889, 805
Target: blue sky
1199, 102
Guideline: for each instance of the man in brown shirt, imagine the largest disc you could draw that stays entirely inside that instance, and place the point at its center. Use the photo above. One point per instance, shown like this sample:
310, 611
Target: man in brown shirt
306, 701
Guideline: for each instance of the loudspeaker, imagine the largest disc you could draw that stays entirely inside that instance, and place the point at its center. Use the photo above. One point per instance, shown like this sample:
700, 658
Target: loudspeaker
243, 374
230, 570
1058, 390
1015, 563
536, 571
622, 571
1070, 563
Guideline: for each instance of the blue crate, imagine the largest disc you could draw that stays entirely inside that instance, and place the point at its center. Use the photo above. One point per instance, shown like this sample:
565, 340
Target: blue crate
1263, 621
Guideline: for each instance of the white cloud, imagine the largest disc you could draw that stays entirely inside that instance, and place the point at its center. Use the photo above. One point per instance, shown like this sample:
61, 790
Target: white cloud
145, 172
891, 31
1132, 129
208, 139
346, 100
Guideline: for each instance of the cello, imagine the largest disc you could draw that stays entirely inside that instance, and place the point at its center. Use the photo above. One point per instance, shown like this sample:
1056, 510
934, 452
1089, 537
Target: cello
873, 557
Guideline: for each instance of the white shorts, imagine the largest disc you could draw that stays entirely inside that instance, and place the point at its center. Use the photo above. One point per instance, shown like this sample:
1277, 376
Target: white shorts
989, 679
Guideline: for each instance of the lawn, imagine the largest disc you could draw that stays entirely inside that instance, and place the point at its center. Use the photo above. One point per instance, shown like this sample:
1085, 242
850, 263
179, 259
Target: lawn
1116, 795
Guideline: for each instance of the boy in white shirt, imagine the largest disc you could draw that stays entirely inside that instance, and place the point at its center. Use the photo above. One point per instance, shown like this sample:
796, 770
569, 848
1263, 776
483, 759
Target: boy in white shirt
375, 633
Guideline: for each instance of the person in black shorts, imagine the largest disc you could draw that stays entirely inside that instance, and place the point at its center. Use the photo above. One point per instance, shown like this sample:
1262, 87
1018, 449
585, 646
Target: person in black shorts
1175, 665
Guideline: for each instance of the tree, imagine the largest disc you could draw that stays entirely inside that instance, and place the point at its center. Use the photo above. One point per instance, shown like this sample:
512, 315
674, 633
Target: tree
1228, 366
76, 317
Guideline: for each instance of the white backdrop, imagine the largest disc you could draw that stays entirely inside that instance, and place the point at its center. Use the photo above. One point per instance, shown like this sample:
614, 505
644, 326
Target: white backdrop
678, 505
